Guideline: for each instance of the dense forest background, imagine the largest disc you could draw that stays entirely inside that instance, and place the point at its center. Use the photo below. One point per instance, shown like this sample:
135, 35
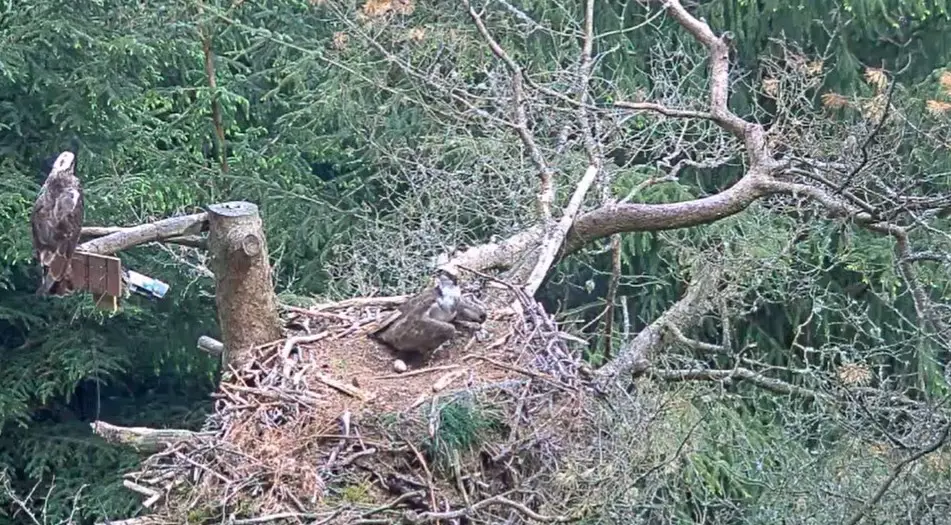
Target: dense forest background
180, 103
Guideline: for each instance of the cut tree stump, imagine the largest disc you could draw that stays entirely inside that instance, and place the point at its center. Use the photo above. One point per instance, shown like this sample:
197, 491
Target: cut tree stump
244, 293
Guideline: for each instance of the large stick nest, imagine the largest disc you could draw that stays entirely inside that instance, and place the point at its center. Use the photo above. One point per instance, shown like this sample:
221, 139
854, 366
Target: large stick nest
320, 428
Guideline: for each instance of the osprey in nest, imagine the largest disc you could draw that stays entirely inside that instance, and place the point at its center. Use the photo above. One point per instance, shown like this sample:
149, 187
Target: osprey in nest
56, 221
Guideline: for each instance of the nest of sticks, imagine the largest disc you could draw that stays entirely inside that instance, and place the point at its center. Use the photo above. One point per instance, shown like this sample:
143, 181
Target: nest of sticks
320, 428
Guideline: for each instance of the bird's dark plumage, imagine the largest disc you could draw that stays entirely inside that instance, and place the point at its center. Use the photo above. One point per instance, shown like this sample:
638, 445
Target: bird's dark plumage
56, 222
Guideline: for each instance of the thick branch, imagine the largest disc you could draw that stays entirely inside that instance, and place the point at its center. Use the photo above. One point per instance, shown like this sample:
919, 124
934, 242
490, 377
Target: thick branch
496, 255
633, 356
142, 438
554, 240
94, 232
623, 218
125, 238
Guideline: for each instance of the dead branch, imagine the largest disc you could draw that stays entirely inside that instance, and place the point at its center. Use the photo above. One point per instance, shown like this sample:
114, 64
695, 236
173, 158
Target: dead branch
633, 356
94, 232
624, 218
940, 441
611, 219
125, 238
211, 345
145, 439
546, 194
553, 241
767, 383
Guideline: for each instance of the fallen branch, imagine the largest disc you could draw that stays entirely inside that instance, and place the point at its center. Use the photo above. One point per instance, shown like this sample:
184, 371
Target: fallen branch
145, 439
95, 232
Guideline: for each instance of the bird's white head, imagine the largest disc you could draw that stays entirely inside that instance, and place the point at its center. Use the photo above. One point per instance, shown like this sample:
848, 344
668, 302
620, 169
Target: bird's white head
64, 161
448, 292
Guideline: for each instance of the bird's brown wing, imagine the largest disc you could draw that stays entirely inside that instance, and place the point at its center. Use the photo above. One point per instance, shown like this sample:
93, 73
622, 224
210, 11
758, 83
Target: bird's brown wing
57, 223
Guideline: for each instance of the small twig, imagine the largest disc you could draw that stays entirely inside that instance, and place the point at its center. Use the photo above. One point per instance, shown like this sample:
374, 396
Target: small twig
611, 298
692, 343
494, 500
292, 341
530, 373
135, 487
447, 379
312, 313
357, 455
896, 471
403, 497
203, 467
429, 474
418, 372
343, 387
283, 516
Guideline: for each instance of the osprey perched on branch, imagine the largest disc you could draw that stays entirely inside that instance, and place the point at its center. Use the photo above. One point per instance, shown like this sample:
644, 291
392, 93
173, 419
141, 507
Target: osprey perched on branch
56, 221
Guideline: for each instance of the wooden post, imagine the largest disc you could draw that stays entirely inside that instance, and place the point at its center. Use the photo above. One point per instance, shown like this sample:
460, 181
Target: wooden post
244, 293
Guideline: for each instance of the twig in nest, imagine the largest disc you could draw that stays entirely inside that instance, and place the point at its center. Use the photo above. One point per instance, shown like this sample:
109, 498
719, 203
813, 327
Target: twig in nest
513, 368
135, 487
284, 516
153, 495
194, 463
429, 474
291, 341
447, 379
418, 372
392, 504
494, 500
395, 300
312, 313
518, 291
357, 455
343, 387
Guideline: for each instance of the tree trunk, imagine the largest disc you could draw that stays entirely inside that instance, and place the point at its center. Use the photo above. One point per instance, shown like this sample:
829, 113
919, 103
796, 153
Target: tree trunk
244, 294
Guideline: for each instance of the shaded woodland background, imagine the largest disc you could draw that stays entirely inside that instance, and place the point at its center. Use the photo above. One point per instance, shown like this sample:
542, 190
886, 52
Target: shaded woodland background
296, 123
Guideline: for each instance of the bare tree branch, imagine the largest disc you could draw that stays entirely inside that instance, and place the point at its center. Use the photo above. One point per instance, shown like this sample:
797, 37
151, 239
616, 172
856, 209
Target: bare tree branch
125, 238
546, 195
634, 355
